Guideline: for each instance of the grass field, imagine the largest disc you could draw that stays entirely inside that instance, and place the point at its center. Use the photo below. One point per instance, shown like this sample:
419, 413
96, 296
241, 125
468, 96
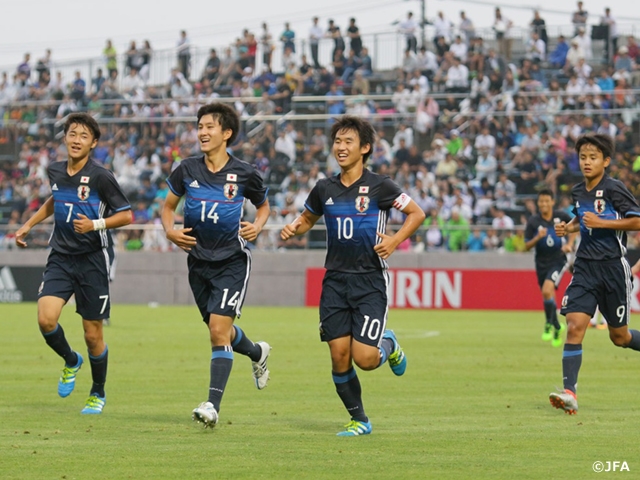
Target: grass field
472, 405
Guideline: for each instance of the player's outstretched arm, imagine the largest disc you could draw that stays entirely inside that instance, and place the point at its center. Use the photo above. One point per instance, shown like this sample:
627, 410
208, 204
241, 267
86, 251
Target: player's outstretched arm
179, 237
250, 231
593, 220
300, 225
44, 212
415, 217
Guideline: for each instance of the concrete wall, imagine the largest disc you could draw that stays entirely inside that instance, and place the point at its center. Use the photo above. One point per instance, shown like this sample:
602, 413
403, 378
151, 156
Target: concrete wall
277, 278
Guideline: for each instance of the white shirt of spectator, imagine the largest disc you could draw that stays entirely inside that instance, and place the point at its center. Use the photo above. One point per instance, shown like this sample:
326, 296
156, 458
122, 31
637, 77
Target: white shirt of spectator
408, 27
422, 81
584, 42
457, 77
316, 32
571, 131
537, 49
285, 144
443, 28
459, 50
487, 167
502, 223
427, 61
610, 130
487, 141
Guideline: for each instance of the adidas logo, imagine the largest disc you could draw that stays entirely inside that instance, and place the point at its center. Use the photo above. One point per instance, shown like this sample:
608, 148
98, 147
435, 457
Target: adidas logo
194, 184
9, 292
329, 202
55, 187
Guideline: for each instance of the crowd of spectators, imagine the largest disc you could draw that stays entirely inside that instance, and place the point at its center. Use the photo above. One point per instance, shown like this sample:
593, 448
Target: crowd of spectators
471, 131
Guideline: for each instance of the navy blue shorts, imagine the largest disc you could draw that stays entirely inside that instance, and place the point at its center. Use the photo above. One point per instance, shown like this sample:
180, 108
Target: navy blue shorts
86, 276
553, 272
354, 304
606, 285
219, 288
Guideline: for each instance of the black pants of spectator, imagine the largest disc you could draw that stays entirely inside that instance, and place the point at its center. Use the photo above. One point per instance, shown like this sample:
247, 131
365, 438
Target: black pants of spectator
314, 54
184, 63
412, 43
610, 49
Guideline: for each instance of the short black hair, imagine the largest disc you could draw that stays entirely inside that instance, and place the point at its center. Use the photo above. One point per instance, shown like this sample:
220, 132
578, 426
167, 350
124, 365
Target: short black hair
226, 117
364, 129
547, 192
602, 142
83, 119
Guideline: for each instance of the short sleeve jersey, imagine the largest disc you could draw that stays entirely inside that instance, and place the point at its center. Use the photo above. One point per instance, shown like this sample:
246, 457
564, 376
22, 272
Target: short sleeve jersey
548, 250
610, 200
93, 192
214, 202
354, 216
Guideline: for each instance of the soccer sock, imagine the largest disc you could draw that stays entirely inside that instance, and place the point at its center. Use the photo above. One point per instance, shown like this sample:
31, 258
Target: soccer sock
57, 341
99, 371
634, 344
551, 313
244, 346
571, 361
221, 363
350, 392
386, 347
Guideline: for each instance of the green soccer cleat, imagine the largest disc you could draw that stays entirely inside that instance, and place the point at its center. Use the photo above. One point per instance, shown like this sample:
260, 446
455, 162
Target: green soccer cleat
94, 405
567, 401
557, 336
67, 381
397, 358
547, 334
355, 428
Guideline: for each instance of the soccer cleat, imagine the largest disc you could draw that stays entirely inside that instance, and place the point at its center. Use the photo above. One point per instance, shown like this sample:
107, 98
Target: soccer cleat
94, 405
547, 334
260, 370
602, 326
206, 414
67, 381
355, 428
557, 335
397, 358
106, 322
567, 401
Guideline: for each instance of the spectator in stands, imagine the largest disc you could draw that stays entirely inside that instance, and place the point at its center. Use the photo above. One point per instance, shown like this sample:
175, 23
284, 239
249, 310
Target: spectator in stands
212, 68
539, 26
355, 41
111, 57
611, 44
457, 79
459, 49
502, 27
505, 192
443, 29
266, 41
558, 57
427, 62
288, 38
24, 70
43, 67
456, 230
574, 54
183, 48
315, 35
584, 42
579, 18
466, 28
408, 28
536, 48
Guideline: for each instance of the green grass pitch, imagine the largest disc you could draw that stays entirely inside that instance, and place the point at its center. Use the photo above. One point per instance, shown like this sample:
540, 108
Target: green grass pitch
472, 405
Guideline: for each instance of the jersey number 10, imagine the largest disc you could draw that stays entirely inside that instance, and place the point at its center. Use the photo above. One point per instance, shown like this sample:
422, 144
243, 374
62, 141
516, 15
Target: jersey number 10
345, 228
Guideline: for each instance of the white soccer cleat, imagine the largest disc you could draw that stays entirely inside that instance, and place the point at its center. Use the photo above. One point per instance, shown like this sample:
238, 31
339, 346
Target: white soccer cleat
206, 414
567, 401
260, 370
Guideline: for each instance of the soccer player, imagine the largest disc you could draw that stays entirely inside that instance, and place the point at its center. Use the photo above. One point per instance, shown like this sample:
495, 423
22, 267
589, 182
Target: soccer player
605, 210
215, 185
550, 259
86, 200
354, 303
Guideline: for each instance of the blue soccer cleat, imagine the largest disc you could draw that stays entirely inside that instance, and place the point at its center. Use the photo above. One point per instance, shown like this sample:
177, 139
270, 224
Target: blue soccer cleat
355, 428
397, 359
94, 405
67, 381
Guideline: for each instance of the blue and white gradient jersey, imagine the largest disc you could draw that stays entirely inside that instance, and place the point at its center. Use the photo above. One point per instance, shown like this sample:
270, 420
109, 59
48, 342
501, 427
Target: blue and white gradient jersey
354, 216
94, 192
214, 203
610, 200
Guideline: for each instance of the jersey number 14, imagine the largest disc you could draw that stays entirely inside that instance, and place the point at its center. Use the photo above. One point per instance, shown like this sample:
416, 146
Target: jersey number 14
212, 212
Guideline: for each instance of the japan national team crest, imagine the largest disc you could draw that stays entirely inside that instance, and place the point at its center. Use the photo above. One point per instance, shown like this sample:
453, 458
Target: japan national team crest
362, 203
599, 205
83, 192
230, 190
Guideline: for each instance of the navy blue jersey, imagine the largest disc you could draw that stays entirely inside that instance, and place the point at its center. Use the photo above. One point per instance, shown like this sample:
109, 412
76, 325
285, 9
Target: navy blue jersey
610, 200
94, 192
353, 216
548, 250
214, 202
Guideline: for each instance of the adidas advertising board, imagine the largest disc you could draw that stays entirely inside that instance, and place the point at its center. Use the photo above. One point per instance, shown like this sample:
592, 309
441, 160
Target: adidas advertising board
19, 284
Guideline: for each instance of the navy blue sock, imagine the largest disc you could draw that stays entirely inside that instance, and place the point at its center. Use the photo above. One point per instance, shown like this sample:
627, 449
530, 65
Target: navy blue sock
99, 371
634, 344
571, 361
350, 392
244, 346
221, 363
58, 342
551, 313
386, 347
